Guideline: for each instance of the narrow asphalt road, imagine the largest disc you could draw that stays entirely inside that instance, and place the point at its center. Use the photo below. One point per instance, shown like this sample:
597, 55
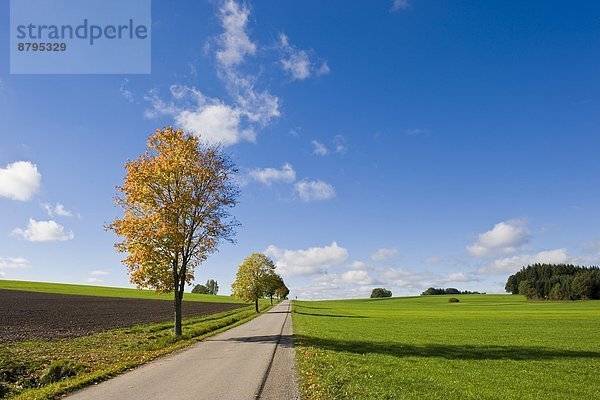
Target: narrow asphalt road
251, 361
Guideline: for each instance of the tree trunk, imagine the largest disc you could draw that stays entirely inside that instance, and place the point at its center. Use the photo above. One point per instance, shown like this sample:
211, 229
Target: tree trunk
271, 299
177, 313
256, 304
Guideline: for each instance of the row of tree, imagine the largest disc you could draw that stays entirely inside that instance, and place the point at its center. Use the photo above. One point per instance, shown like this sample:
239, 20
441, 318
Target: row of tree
256, 278
435, 291
211, 287
556, 282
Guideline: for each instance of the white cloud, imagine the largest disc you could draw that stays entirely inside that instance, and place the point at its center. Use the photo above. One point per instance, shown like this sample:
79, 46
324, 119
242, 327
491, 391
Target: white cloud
43, 231
512, 264
314, 190
94, 280
215, 123
319, 149
323, 69
358, 277
210, 119
398, 5
19, 180
235, 42
297, 62
456, 277
99, 273
307, 261
504, 238
126, 93
13, 262
359, 265
433, 260
267, 176
384, 253
339, 143
58, 209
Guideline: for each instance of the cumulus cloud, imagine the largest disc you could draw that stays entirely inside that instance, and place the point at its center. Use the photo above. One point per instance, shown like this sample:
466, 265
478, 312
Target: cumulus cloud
13, 262
267, 176
307, 261
504, 238
319, 148
235, 42
209, 118
384, 253
19, 181
57, 209
510, 265
358, 277
43, 231
398, 5
215, 120
297, 62
314, 190
99, 273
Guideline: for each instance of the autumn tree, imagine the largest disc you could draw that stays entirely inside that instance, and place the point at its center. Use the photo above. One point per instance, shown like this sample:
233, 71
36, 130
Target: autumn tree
176, 201
274, 282
282, 292
253, 278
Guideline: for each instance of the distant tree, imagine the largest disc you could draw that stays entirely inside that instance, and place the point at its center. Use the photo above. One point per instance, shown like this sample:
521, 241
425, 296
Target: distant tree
432, 291
512, 286
380, 292
200, 289
556, 282
527, 289
212, 286
176, 199
282, 292
253, 278
435, 291
274, 282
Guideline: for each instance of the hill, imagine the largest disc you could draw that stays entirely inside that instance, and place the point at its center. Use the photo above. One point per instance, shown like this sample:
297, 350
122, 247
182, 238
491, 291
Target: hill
106, 291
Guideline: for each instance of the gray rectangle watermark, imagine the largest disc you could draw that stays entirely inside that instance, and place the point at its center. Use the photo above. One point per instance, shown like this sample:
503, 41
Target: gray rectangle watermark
80, 36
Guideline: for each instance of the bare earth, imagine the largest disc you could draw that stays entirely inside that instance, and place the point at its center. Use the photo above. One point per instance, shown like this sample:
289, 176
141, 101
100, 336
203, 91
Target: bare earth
47, 316
251, 361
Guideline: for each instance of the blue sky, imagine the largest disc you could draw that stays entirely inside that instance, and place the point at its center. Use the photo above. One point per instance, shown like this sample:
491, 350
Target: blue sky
402, 144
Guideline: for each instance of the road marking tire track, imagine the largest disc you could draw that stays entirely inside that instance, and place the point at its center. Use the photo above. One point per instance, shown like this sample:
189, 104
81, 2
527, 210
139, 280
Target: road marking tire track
268, 371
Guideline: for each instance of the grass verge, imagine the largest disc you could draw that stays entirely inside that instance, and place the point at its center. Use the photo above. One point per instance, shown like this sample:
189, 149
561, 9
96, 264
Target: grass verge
485, 347
46, 369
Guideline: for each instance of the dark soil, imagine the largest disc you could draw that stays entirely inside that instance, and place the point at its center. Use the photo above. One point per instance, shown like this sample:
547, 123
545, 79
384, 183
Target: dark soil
47, 316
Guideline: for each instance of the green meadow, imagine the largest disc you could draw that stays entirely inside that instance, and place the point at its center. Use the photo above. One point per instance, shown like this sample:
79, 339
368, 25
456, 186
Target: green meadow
485, 347
105, 291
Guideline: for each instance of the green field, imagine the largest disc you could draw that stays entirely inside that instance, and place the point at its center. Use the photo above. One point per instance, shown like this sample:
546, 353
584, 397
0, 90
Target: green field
485, 347
106, 291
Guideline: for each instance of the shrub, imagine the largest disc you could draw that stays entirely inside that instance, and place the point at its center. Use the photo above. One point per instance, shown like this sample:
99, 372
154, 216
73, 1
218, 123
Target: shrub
59, 370
380, 292
453, 300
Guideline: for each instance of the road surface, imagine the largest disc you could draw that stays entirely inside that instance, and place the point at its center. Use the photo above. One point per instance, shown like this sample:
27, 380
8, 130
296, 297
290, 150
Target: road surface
251, 361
